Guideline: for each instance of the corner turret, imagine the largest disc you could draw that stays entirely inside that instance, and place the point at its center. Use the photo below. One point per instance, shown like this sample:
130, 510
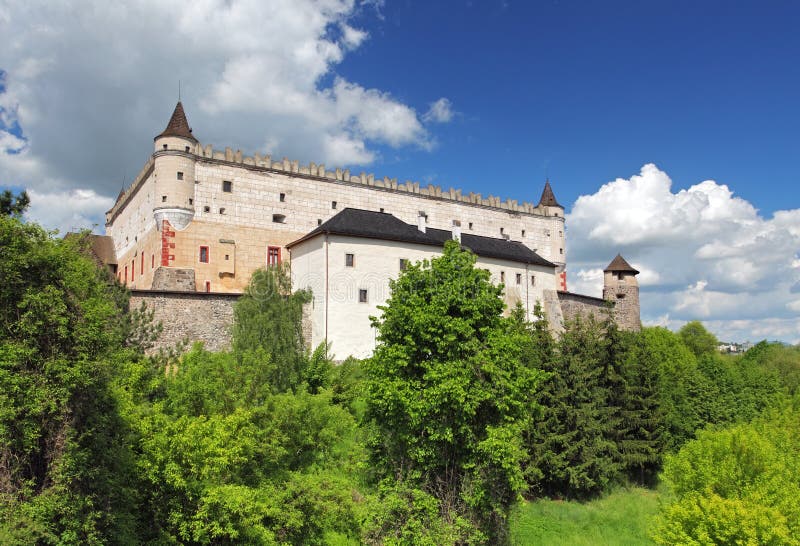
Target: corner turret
174, 172
621, 287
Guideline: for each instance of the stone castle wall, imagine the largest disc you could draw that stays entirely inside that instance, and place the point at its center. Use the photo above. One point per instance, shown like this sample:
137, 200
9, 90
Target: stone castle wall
189, 316
574, 305
198, 316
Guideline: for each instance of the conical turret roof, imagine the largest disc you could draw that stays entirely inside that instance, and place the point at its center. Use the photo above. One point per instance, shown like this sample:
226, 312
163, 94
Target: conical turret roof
178, 126
619, 265
548, 199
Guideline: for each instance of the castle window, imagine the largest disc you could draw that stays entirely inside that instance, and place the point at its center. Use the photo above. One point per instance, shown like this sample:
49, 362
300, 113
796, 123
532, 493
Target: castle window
523, 233
204, 254
470, 225
186, 149
561, 251
381, 209
403, 264
279, 218
163, 198
133, 271
208, 286
362, 295
180, 175
227, 186
126, 274
502, 276
191, 201
273, 255
222, 210
349, 260
333, 204
152, 261
141, 265
165, 146
319, 221
502, 230
227, 257
206, 209
519, 278
560, 234
533, 280
283, 197
621, 276
555, 214
620, 296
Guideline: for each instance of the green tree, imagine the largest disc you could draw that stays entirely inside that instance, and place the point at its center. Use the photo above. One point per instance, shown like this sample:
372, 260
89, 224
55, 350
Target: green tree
13, 205
572, 444
64, 464
268, 322
738, 485
448, 396
699, 340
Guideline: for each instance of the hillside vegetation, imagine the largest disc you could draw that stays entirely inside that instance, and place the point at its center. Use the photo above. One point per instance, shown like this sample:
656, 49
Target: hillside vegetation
464, 415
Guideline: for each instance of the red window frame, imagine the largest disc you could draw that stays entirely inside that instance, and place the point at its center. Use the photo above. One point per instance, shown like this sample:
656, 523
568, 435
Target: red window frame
273, 256
141, 265
208, 286
126, 274
133, 270
152, 261
207, 255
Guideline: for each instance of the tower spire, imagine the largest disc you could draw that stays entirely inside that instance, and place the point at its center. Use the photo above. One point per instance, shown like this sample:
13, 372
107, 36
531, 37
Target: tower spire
178, 125
548, 199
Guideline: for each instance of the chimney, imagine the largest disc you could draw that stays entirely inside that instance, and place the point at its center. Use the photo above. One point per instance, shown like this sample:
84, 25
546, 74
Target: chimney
422, 219
457, 230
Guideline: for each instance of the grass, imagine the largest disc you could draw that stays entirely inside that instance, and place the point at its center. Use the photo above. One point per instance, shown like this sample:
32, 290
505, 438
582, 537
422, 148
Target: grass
620, 518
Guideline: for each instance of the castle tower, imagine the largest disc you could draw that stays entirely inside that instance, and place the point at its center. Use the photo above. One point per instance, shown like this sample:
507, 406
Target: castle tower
174, 172
621, 287
556, 234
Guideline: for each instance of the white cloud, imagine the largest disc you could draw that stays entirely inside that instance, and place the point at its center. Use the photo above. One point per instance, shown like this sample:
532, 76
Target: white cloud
69, 210
91, 82
703, 253
440, 111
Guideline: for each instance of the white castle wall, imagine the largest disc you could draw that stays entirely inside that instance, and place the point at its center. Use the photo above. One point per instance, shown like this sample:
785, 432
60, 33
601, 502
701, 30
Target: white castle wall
245, 215
336, 310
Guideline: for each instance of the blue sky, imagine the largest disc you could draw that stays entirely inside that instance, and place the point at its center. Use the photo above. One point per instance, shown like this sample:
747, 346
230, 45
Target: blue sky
589, 91
668, 129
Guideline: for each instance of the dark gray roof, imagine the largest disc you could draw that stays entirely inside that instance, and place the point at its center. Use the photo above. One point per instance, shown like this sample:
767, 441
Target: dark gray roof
384, 226
619, 264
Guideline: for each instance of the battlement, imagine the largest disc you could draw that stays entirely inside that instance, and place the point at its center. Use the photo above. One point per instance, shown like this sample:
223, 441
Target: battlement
320, 172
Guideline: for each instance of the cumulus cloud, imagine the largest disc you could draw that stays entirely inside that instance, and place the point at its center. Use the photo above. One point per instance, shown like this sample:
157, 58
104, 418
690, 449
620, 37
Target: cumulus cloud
704, 253
67, 211
89, 83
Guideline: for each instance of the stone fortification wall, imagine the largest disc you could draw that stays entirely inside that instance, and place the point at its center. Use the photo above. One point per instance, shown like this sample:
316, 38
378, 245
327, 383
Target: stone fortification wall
573, 305
198, 316
189, 316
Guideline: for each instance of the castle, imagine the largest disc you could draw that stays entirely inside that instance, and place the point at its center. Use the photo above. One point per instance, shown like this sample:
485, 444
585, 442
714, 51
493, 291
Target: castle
200, 221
